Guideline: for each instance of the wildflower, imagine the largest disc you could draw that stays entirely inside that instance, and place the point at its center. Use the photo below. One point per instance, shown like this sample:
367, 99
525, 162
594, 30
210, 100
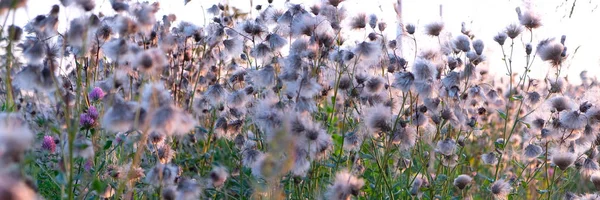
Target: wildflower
500, 38
529, 19
119, 6
165, 154
475, 60
344, 186
563, 159
213, 10
404, 137
489, 158
419, 119
572, 120
86, 5
416, 186
425, 88
367, 50
96, 94
301, 162
424, 69
85, 120
478, 46
250, 157
533, 97
145, 14
122, 116
550, 50
532, 151
344, 82
155, 95
463, 43
263, 78
560, 103
451, 79
304, 87
163, 174
216, 94
36, 77
462, 181
404, 81
446, 147
500, 189
171, 120
218, 176
378, 119
188, 189
151, 61
261, 51
351, 140
359, 21
449, 161
34, 51
381, 26
434, 28
253, 28
233, 46
276, 42
116, 49
335, 3
513, 30
528, 49
237, 99
375, 84
48, 144
410, 28
372, 21
590, 166
15, 135
323, 144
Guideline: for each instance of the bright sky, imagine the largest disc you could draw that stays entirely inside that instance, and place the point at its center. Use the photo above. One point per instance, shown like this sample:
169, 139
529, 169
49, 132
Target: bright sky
486, 18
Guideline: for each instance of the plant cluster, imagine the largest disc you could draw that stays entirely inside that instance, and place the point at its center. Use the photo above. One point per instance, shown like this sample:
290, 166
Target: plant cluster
279, 104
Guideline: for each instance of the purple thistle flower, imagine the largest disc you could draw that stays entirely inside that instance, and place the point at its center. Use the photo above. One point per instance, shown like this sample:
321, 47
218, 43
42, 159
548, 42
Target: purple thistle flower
86, 120
93, 112
88, 165
48, 144
96, 94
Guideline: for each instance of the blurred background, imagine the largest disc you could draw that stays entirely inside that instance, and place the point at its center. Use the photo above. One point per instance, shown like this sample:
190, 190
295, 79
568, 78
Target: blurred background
574, 18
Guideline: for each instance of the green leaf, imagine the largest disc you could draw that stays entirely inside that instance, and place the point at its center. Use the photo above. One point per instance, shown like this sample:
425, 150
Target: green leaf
524, 184
515, 98
499, 145
55, 130
98, 186
329, 109
502, 114
108, 144
518, 164
367, 156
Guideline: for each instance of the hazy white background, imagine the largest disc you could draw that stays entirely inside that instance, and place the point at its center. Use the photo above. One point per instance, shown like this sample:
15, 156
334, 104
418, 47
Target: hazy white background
485, 17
